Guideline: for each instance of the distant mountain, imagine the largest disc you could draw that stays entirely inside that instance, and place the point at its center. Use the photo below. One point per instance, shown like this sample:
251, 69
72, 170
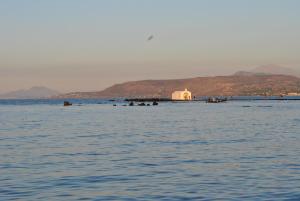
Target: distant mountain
244, 73
252, 84
34, 92
276, 70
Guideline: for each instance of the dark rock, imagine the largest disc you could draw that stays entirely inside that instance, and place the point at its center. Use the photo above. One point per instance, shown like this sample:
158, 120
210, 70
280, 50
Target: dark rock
67, 103
155, 103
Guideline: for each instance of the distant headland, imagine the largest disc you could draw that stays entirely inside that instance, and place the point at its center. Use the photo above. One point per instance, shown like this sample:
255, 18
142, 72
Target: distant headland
36, 92
267, 80
234, 85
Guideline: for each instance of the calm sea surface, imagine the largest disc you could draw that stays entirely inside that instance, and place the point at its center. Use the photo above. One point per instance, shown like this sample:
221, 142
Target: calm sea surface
239, 150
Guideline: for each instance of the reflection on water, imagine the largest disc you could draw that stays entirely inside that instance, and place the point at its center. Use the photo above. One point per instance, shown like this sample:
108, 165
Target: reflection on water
238, 150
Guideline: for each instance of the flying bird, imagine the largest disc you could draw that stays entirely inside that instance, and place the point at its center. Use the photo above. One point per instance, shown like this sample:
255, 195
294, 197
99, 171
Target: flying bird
150, 38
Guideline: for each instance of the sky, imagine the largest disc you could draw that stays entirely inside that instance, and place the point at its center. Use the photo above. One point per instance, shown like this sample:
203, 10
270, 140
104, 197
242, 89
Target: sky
88, 45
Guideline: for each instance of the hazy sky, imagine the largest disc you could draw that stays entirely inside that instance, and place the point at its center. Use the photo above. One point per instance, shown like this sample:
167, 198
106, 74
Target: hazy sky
82, 45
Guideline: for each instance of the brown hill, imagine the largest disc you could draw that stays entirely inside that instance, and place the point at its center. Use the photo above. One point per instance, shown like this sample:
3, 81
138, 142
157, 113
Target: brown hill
200, 86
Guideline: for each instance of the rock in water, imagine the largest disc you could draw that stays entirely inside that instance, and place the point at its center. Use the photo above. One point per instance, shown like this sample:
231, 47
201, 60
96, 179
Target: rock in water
67, 103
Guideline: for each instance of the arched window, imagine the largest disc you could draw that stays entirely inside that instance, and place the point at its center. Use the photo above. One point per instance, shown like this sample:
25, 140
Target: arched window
186, 96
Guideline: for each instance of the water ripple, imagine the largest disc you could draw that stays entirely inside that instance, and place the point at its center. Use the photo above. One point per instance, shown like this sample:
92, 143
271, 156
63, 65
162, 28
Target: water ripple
191, 151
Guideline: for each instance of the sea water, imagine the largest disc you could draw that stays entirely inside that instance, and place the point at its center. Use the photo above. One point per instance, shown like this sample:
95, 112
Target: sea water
238, 150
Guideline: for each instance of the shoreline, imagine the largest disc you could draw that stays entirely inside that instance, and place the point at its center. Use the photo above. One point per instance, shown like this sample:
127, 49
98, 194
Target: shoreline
228, 98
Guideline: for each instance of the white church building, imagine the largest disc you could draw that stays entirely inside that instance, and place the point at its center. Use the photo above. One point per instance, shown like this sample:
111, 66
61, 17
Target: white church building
182, 95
